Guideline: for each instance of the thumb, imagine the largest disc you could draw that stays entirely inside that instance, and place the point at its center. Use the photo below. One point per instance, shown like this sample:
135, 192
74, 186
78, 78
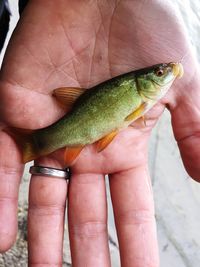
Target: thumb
186, 125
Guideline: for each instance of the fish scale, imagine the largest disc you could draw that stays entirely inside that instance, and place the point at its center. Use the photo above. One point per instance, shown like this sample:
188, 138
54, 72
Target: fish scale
102, 112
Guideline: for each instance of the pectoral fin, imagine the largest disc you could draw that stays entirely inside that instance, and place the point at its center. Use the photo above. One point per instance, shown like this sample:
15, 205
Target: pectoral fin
68, 95
144, 120
136, 113
71, 154
140, 122
105, 141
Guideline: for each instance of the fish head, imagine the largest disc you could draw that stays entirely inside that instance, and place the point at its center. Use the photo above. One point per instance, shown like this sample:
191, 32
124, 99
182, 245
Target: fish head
154, 82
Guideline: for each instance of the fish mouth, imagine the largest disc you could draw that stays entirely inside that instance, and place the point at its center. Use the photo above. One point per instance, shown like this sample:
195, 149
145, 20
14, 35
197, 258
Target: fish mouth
177, 69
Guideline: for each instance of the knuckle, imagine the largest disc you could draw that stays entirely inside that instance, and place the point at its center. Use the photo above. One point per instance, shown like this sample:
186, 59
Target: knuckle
89, 229
34, 264
135, 217
46, 210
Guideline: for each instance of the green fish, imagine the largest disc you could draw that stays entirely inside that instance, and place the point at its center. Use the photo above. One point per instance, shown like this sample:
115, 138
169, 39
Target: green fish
98, 114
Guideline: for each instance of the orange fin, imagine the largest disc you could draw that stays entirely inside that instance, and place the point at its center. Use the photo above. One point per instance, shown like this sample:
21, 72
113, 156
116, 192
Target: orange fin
105, 141
144, 120
139, 122
68, 95
24, 139
136, 113
71, 153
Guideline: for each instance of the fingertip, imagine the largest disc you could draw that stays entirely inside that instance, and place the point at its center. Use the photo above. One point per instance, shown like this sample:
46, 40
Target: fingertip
7, 240
8, 223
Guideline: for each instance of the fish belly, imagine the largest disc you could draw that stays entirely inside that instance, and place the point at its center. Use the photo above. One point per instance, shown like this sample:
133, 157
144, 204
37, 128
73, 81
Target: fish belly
96, 114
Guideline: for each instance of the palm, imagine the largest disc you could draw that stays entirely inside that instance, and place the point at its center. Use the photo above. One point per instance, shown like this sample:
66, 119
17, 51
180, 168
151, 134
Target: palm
107, 48
64, 48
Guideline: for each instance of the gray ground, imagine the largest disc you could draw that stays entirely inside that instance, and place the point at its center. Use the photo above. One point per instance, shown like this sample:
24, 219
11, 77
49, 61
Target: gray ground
177, 197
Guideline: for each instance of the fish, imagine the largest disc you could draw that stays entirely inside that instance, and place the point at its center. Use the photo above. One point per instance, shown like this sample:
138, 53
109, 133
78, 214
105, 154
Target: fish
98, 114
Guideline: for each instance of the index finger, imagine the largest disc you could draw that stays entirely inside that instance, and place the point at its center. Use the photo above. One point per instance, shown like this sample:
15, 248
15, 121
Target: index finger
11, 170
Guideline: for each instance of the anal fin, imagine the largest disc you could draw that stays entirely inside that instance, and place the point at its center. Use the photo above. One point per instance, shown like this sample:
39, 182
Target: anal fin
105, 141
71, 153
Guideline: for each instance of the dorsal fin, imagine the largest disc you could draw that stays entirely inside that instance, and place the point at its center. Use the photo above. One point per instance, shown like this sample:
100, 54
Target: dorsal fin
68, 95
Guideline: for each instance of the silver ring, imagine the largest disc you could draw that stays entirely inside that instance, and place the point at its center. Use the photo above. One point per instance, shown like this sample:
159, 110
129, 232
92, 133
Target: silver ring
50, 172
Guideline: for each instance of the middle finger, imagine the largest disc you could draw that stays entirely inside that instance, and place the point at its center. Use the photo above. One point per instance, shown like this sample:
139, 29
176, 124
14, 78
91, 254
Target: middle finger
88, 220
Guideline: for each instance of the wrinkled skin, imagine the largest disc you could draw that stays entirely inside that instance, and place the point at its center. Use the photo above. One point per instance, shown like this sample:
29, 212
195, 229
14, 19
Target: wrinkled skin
81, 43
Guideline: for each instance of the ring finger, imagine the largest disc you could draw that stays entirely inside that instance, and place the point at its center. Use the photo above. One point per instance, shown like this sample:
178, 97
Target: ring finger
47, 201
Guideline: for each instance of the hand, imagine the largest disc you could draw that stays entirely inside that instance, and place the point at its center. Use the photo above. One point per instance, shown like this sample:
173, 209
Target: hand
81, 43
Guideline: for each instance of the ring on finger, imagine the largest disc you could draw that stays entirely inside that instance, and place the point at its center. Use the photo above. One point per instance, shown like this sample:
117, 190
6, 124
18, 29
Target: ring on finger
50, 172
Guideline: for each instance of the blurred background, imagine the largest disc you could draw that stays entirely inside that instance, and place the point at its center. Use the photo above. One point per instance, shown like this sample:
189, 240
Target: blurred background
177, 196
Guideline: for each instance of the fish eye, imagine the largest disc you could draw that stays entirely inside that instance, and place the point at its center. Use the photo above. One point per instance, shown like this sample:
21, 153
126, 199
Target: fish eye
159, 72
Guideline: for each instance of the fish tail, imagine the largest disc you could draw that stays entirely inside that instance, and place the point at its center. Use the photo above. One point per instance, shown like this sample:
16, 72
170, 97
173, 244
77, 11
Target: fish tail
25, 141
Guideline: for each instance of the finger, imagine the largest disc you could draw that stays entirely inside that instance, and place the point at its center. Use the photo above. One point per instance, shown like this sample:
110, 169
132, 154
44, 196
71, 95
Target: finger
87, 221
186, 126
134, 217
47, 198
11, 171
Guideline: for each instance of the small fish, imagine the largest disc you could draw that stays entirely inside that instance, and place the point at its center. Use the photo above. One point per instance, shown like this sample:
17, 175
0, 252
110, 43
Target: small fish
98, 114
